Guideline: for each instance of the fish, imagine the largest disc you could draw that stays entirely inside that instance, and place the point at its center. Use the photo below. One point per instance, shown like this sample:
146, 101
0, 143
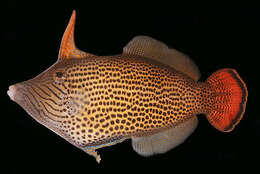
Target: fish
149, 94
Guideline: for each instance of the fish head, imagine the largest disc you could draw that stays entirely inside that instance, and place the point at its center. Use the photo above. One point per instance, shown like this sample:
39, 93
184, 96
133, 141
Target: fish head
54, 98
44, 96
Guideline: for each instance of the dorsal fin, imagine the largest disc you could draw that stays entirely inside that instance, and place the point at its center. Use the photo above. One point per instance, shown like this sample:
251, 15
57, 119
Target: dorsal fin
68, 48
148, 47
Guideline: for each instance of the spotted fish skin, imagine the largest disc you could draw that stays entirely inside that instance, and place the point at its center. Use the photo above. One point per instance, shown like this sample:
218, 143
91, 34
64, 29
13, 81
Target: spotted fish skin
124, 96
147, 93
99, 99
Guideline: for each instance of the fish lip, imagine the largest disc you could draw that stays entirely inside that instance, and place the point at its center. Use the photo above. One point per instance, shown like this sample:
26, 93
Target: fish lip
17, 93
12, 90
19, 96
15, 89
20, 89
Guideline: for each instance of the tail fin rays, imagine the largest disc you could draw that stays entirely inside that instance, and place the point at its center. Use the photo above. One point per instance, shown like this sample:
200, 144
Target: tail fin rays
230, 101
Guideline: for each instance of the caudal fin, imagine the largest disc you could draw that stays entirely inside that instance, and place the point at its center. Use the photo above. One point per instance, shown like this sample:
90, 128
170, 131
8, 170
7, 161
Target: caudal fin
230, 99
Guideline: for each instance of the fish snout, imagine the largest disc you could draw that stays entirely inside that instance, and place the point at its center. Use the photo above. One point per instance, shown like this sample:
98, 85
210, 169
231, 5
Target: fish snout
15, 92
12, 92
19, 93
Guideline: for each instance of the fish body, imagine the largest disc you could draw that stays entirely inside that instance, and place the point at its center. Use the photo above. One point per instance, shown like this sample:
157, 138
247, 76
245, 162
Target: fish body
149, 94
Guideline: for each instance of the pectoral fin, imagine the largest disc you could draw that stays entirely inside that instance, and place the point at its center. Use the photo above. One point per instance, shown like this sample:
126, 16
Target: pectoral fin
166, 140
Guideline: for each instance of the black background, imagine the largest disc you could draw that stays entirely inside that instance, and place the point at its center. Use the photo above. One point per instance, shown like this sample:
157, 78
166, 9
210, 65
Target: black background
214, 36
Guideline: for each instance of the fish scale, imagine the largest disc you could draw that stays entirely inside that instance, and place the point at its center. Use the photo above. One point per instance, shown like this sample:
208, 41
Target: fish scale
150, 94
126, 102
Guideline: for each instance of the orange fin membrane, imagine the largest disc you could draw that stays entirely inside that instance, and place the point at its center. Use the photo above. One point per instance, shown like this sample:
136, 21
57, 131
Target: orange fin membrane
68, 48
230, 100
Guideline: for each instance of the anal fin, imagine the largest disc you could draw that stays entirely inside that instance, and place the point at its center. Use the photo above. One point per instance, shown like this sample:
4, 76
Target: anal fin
166, 140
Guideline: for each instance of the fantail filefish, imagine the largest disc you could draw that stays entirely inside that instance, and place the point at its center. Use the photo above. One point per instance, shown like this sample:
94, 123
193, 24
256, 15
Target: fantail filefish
149, 94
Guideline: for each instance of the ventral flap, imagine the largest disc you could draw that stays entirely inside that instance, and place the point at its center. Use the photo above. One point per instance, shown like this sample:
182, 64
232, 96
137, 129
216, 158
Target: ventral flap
68, 48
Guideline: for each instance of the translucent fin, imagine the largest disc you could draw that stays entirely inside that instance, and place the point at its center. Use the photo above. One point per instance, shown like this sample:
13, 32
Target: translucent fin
164, 141
148, 47
68, 48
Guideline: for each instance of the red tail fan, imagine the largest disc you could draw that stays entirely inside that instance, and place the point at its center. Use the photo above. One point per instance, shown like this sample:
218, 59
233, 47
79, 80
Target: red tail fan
230, 102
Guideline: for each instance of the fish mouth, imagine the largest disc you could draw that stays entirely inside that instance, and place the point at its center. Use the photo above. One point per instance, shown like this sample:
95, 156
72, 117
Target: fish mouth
19, 94
11, 92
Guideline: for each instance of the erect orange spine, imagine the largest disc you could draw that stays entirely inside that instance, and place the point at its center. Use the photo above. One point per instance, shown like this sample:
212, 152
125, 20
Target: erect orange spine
230, 99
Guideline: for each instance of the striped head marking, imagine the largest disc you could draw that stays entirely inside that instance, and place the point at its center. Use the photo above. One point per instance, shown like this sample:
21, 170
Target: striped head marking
97, 101
50, 98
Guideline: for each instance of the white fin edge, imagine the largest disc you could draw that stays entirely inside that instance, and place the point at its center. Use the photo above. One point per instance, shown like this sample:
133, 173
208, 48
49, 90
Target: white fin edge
151, 48
166, 140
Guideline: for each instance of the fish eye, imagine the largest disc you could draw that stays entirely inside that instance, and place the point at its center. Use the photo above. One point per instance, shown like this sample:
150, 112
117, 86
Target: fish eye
59, 74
